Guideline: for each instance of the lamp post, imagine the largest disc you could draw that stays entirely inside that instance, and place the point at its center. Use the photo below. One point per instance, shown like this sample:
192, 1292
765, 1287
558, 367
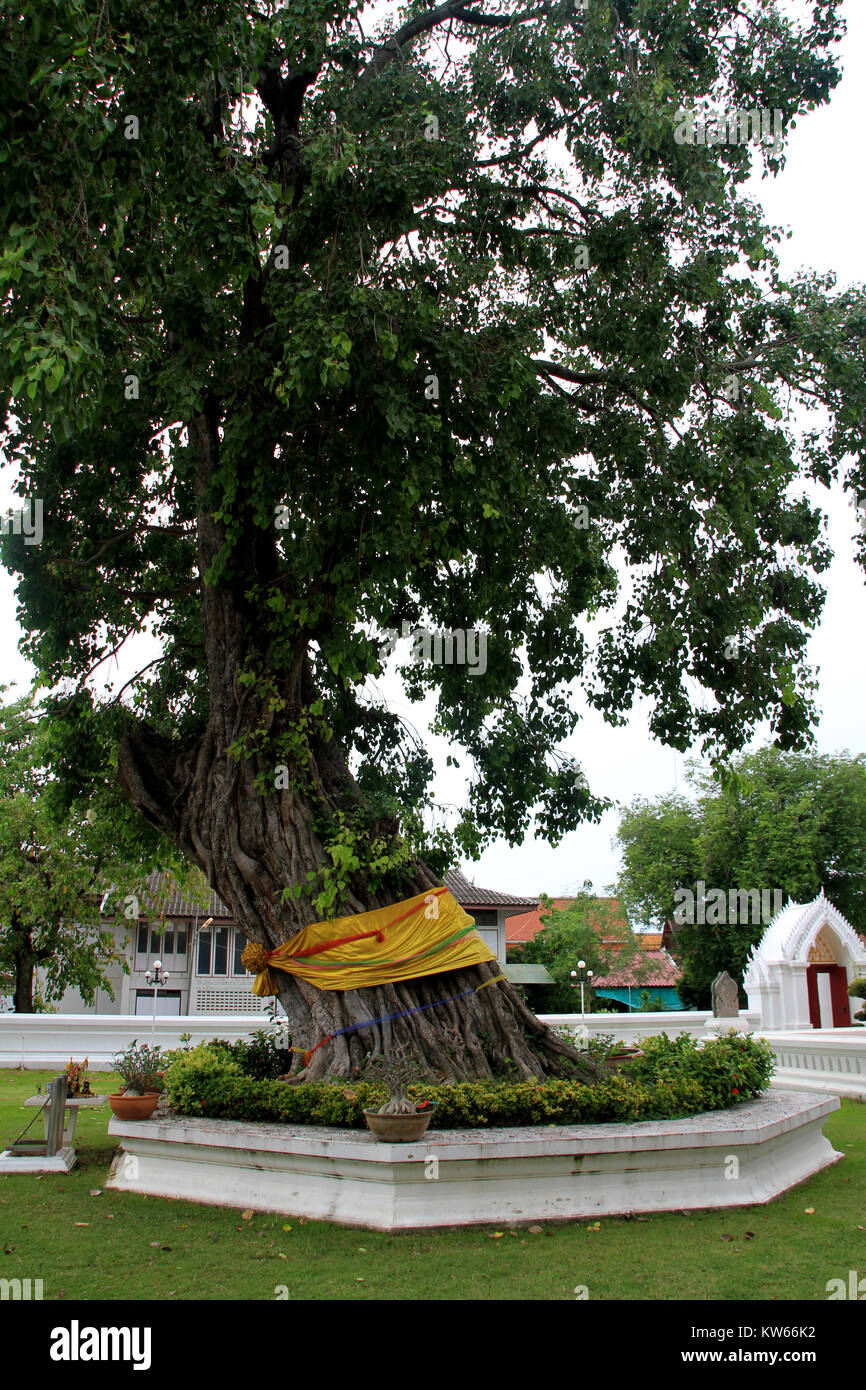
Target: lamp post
585, 978
157, 977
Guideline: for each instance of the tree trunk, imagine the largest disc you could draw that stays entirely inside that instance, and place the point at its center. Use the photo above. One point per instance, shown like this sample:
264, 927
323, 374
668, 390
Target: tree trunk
250, 846
253, 838
24, 958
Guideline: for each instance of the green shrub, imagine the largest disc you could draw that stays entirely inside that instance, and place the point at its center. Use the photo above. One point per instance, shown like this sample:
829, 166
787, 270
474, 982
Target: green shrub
196, 1072
729, 1069
673, 1079
266, 1055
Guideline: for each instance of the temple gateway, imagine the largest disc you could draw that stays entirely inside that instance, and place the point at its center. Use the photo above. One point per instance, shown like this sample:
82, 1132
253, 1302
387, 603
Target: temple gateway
798, 974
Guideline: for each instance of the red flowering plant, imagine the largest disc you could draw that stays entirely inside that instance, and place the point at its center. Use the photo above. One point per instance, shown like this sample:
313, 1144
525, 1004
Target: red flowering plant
735, 1065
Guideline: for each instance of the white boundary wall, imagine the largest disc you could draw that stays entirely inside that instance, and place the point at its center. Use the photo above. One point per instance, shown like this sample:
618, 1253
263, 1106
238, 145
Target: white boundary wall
832, 1061
36, 1041
627, 1028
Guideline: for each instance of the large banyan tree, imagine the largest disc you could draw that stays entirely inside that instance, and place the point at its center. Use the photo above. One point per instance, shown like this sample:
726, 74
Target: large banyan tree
320, 324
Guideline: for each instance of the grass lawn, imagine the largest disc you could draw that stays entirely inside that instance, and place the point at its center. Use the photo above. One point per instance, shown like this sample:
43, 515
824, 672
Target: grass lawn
122, 1245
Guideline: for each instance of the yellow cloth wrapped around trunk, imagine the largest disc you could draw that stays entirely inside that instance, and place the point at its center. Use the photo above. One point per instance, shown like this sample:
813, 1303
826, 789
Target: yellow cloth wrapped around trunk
423, 935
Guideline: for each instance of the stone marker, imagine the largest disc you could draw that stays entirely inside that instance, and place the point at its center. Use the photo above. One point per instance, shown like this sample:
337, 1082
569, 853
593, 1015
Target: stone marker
725, 994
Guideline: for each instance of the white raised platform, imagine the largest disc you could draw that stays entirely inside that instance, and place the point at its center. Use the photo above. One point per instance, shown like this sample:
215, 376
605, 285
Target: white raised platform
830, 1060
465, 1177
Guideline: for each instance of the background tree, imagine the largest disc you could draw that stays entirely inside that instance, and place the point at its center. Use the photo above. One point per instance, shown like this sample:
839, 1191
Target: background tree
659, 842
789, 821
310, 331
54, 875
589, 929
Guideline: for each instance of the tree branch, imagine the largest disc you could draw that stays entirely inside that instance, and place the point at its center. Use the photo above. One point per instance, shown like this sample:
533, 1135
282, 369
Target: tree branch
392, 48
157, 660
552, 369
566, 374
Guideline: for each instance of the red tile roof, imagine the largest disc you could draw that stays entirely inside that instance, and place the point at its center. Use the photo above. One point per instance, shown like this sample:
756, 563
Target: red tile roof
654, 970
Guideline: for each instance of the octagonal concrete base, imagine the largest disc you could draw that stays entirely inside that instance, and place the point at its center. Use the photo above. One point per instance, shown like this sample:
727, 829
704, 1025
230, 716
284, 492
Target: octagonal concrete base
464, 1177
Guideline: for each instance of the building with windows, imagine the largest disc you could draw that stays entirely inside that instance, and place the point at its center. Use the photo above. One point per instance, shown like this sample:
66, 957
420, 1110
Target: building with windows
200, 945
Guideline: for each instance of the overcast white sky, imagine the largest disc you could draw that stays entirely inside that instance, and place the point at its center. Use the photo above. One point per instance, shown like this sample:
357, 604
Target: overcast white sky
819, 197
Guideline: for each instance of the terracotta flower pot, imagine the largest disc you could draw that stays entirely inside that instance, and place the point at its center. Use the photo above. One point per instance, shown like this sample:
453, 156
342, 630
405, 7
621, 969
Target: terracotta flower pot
617, 1060
399, 1129
134, 1107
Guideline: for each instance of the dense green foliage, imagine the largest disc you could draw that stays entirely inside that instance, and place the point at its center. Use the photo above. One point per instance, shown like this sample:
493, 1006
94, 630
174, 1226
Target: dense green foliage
792, 822
675, 1078
248, 224
263, 1056
67, 875
54, 872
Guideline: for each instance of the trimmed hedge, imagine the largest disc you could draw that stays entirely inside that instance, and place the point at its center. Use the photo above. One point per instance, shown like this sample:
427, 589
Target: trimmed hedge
675, 1079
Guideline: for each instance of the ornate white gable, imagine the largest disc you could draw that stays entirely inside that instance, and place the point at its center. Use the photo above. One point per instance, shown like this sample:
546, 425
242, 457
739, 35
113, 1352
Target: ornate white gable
800, 936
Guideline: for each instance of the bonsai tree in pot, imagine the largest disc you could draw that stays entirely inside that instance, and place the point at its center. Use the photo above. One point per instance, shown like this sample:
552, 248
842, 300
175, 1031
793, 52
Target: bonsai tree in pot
399, 1118
140, 1067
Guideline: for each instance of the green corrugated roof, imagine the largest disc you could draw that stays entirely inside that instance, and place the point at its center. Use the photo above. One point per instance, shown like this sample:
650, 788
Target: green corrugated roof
527, 975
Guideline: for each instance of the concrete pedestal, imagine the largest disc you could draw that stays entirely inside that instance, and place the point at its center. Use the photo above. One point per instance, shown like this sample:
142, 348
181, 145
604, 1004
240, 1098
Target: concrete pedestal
61, 1162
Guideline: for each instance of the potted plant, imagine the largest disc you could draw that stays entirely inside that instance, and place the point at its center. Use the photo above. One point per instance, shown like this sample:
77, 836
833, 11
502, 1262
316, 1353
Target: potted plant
140, 1067
617, 1060
857, 991
399, 1120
